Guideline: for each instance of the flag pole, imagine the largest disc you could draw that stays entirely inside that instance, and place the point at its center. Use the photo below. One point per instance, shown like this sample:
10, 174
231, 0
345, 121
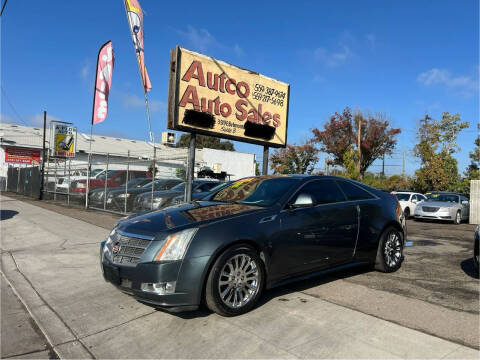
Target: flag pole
147, 108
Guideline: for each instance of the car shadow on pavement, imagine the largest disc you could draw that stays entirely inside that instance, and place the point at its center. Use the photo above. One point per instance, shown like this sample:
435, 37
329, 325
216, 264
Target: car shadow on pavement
279, 292
7, 214
468, 268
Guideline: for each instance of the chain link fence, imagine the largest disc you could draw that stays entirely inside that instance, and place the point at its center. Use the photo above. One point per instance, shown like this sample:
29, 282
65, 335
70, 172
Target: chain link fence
114, 182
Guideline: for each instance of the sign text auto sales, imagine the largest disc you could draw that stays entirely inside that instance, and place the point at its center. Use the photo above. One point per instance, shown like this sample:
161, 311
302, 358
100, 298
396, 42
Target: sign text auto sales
220, 99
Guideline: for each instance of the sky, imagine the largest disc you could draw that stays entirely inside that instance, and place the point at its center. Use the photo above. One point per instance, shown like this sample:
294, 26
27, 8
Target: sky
402, 58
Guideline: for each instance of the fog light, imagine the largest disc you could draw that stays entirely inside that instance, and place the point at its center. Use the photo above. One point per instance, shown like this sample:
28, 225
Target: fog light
161, 288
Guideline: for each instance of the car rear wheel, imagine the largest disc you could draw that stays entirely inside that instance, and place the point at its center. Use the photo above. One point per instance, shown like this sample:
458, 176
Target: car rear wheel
390, 251
235, 282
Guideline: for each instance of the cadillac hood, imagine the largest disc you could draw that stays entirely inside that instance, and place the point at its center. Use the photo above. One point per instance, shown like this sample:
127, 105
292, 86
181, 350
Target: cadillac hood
180, 216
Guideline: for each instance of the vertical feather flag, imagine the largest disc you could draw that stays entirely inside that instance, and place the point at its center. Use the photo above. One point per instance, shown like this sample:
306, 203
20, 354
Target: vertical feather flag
103, 81
135, 22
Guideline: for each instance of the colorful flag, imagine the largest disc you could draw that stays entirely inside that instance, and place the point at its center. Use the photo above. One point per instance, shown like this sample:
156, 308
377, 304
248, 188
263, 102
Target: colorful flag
135, 22
103, 81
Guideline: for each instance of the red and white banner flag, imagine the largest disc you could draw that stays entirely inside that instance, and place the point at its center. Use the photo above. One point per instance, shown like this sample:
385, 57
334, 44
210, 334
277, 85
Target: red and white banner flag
135, 22
103, 81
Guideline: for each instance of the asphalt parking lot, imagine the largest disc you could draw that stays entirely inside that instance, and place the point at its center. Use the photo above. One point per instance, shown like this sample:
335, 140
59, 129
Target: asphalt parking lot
429, 308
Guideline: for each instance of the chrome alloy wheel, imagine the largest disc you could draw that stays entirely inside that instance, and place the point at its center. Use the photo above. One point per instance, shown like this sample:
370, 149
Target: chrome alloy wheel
393, 249
239, 281
458, 217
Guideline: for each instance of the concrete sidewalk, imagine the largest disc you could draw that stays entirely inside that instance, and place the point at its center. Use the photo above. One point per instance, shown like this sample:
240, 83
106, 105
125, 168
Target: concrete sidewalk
52, 262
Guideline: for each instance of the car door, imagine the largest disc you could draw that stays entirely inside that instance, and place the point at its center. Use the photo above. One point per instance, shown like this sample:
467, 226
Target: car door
317, 236
368, 211
414, 200
465, 207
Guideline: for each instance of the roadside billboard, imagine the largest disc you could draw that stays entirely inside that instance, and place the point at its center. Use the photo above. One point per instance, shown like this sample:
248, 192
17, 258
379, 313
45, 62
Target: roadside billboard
211, 97
15, 155
64, 139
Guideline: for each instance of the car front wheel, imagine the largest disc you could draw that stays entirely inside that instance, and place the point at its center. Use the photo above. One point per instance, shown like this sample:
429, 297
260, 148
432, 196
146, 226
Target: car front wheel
390, 251
235, 282
458, 218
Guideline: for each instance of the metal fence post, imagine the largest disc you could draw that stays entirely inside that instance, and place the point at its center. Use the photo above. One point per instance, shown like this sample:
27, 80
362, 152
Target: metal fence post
48, 169
65, 171
55, 184
89, 167
126, 182
106, 182
18, 182
153, 174
68, 183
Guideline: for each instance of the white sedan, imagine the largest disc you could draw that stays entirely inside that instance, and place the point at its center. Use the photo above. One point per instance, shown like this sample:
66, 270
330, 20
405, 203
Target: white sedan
408, 201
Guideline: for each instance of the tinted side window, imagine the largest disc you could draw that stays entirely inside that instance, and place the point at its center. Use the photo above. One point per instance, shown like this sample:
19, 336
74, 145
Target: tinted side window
354, 192
323, 192
207, 186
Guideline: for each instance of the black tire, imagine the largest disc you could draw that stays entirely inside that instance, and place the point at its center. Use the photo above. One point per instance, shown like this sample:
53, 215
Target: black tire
476, 269
458, 218
390, 251
213, 298
406, 213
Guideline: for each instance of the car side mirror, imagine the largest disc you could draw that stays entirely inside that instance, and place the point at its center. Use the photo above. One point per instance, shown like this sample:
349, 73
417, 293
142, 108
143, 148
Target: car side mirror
303, 200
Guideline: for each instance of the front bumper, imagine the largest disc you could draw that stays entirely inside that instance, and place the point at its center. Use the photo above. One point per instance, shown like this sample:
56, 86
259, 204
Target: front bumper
188, 275
445, 215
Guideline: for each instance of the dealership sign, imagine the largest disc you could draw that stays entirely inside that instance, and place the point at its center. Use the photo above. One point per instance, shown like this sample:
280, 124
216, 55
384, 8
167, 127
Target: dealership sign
63, 139
22, 156
211, 97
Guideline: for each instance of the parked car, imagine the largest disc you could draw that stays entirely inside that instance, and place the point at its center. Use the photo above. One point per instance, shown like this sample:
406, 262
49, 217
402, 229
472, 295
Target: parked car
63, 183
254, 234
408, 201
476, 251
163, 198
96, 196
116, 198
112, 178
444, 206
180, 199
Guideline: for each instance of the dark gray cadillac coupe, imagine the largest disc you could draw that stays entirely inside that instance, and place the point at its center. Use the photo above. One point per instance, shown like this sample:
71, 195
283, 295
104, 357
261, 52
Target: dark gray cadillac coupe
254, 234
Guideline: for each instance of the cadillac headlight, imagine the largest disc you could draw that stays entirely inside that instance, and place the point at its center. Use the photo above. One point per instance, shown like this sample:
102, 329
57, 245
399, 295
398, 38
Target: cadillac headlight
176, 245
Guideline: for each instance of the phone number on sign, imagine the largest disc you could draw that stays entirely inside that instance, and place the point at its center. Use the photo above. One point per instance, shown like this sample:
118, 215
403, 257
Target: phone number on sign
268, 95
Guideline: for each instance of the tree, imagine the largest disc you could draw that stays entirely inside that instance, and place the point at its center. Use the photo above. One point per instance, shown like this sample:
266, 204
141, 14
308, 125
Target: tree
340, 133
257, 169
436, 146
294, 159
473, 170
350, 160
204, 141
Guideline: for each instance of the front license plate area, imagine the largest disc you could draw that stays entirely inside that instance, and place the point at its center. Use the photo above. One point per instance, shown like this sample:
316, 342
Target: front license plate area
112, 274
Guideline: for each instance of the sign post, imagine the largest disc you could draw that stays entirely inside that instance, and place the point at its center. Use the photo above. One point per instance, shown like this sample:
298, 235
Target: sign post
190, 167
265, 161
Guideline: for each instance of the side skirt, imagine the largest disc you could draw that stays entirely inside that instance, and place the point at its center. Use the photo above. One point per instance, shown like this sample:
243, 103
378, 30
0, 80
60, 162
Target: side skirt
315, 274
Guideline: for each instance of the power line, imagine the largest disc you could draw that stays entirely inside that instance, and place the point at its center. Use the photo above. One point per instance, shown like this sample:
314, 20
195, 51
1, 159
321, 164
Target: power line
15, 110
3, 7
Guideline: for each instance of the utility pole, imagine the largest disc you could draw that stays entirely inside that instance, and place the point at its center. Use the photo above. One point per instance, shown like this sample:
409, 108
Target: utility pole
359, 137
383, 166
